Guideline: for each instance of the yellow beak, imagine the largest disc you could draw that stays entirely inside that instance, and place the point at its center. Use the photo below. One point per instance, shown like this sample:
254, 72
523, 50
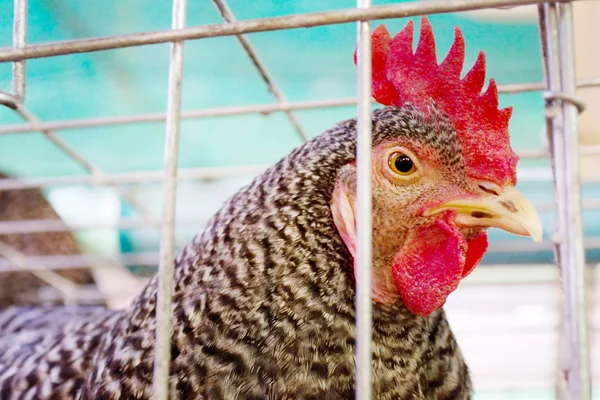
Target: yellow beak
510, 211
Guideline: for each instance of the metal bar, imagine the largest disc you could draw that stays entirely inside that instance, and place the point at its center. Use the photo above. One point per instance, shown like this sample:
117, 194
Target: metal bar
493, 273
86, 295
523, 87
514, 246
229, 17
553, 127
591, 150
37, 263
401, 10
160, 117
19, 38
151, 259
364, 224
54, 225
194, 174
190, 174
162, 354
513, 88
574, 267
21, 262
133, 177
239, 110
557, 40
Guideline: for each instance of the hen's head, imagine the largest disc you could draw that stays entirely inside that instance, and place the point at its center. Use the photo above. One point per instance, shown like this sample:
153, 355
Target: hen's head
443, 172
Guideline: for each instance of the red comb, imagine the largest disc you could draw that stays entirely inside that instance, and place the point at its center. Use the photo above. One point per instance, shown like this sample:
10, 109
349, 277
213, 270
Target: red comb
399, 76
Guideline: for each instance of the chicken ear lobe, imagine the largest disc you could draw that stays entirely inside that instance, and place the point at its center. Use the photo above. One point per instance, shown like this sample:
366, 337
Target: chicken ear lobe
476, 249
342, 209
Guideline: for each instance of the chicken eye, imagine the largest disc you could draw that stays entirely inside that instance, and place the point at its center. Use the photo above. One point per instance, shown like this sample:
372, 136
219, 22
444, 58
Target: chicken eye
401, 164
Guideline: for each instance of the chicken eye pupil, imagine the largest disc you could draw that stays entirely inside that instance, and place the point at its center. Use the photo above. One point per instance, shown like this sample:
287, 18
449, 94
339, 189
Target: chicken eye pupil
403, 164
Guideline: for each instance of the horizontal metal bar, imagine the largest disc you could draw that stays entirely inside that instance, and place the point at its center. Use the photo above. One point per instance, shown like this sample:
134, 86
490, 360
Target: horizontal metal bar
491, 273
150, 259
525, 246
543, 153
20, 262
264, 109
161, 117
133, 177
401, 10
55, 225
539, 86
82, 295
192, 173
36, 263
235, 110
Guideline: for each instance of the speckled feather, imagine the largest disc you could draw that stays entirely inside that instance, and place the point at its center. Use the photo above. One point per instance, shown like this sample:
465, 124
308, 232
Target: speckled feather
263, 306
20, 287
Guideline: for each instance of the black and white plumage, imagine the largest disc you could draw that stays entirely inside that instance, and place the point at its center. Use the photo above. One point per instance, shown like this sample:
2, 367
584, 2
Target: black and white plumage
263, 305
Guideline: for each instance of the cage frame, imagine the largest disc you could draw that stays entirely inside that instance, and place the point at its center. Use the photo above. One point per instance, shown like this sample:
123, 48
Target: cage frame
562, 108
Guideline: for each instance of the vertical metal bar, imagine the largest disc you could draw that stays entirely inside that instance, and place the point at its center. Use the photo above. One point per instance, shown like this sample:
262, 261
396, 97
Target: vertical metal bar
19, 38
574, 265
557, 39
164, 294
548, 29
363, 213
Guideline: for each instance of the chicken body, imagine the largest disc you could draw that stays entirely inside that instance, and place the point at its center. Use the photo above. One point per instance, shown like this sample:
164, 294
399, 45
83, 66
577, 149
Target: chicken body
263, 305
22, 287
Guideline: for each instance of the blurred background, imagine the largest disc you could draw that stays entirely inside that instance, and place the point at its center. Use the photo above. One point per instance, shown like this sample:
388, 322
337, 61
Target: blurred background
506, 315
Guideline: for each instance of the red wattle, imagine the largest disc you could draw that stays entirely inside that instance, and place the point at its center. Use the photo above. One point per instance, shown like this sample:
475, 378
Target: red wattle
430, 266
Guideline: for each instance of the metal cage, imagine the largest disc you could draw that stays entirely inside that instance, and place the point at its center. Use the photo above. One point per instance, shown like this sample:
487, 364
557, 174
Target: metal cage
562, 108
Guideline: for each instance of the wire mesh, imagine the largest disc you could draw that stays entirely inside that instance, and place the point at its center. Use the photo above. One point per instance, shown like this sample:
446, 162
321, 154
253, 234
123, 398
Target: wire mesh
556, 24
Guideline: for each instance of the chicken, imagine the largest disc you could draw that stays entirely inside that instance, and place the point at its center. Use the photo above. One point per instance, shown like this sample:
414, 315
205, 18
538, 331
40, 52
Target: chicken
263, 304
22, 287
